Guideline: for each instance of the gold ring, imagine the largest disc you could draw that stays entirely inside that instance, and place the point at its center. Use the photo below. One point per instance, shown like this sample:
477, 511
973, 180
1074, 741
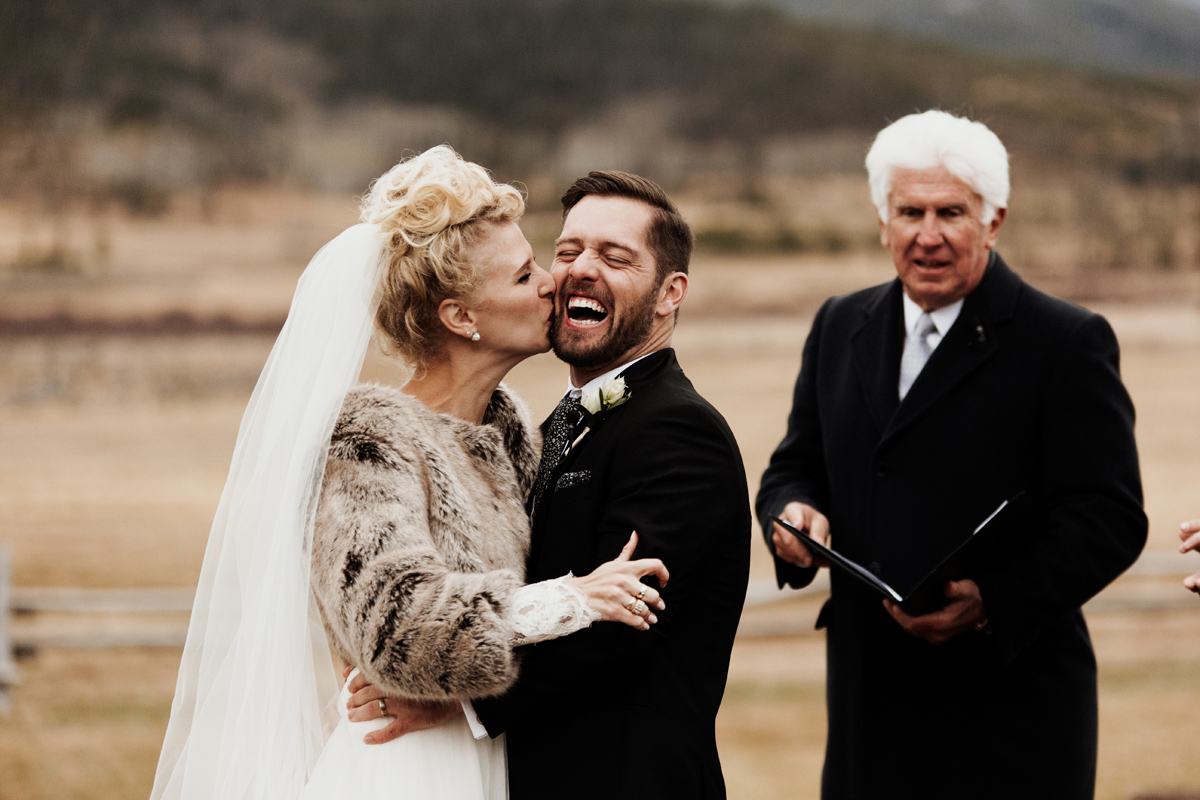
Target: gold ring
383, 707
641, 594
633, 601
640, 608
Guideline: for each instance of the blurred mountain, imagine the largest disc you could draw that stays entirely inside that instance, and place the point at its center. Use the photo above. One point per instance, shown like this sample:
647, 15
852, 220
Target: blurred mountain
137, 94
1145, 35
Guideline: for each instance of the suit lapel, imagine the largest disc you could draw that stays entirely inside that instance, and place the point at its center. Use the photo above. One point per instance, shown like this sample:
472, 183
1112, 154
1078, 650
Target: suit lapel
637, 375
640, 374
877, 353
971, 341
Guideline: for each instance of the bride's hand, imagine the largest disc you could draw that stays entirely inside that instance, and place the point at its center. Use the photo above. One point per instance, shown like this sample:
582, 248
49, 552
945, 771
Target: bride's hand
1189, 533
614, 588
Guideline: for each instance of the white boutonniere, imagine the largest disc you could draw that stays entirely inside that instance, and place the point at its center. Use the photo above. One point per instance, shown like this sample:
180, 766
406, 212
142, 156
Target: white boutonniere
595, 404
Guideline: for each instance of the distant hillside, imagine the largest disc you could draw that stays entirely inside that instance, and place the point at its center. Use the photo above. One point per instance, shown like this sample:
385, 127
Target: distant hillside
1144, 35
208, 90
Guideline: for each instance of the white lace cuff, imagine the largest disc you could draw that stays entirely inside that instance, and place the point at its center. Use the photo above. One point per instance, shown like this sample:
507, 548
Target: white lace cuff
548, 610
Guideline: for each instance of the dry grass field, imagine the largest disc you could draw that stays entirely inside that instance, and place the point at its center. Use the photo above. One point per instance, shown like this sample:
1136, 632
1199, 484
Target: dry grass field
113, 452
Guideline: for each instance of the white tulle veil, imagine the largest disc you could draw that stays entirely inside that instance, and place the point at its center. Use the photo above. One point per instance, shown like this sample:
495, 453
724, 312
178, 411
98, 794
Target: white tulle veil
256, 676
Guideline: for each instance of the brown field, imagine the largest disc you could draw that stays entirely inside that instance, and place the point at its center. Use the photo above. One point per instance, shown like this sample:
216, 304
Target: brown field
115, 450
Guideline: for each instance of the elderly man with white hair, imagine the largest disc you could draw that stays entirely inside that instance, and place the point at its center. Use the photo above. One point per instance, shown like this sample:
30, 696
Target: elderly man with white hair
921, 405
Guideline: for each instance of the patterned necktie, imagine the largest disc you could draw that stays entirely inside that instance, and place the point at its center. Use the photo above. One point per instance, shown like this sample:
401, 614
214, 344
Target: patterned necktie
916, 352
558, 435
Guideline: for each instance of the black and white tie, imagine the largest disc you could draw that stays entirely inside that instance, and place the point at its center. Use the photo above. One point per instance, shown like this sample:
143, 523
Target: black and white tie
558, 436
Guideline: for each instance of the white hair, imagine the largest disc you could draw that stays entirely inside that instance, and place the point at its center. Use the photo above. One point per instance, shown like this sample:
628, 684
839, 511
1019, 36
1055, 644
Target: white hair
968, 150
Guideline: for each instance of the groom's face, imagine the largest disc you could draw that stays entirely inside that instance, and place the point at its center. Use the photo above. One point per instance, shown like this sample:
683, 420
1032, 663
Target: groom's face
606, 280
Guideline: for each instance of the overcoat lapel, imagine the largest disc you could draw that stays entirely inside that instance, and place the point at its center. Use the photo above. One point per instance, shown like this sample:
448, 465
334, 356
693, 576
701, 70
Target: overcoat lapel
877, 354
970, 342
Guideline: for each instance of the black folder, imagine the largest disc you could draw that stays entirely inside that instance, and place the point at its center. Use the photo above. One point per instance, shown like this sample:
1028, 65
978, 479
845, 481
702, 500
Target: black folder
929, 595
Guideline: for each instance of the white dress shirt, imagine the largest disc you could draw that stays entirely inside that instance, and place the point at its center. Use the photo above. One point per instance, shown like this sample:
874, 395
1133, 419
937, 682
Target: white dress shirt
942, 318
605, 378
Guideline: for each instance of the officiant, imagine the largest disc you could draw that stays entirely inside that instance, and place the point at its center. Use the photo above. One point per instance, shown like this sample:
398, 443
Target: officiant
921, 405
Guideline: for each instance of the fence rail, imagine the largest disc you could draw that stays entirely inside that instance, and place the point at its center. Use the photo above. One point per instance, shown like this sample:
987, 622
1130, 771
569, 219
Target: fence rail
30, 600
8, 668
25, 601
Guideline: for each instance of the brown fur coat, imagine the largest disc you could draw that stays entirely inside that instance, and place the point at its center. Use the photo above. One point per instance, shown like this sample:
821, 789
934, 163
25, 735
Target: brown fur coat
420, 541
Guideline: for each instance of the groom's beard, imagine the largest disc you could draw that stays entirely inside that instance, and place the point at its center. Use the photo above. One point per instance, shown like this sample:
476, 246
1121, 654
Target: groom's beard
627, 331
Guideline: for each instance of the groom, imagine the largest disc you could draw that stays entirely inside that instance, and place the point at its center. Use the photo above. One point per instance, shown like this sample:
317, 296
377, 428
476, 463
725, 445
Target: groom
612, 711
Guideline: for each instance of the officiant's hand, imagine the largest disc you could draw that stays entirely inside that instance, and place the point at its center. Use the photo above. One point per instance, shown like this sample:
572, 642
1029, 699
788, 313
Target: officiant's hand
963, 613
1189, 532
788, 547
407, 715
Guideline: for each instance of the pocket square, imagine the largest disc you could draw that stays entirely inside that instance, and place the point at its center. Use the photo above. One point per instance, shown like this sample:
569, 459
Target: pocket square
569, 479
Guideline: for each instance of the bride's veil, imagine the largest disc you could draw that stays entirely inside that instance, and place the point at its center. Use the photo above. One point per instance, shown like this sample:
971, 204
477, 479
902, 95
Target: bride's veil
256, 675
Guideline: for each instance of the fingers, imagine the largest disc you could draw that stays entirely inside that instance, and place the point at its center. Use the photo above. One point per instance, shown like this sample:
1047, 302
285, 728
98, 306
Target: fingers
648, 595
358, 684
917, 626
791, 548
634, 621
897, 613
363, 704
650, 566
964, 612
930, 627
788, 548
627, 551
818, 528
636, 611
1189, 533
384, 735
365, 712
1192, 582
409, 716
955, 590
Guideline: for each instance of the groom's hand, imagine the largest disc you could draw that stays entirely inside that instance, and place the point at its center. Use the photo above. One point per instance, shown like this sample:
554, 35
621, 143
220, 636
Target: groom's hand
408, 715
964, 612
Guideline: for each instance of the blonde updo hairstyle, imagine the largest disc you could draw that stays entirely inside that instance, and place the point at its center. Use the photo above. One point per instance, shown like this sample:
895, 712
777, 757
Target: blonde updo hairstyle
434, 206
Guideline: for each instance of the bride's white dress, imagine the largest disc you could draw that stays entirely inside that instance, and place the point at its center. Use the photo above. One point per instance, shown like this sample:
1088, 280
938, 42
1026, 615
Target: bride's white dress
446, 762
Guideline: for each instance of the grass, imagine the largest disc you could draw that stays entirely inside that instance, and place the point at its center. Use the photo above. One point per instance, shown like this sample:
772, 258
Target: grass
114, 484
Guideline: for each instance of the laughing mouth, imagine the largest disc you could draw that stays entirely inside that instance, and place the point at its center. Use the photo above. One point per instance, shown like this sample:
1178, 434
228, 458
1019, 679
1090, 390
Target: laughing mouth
585, 311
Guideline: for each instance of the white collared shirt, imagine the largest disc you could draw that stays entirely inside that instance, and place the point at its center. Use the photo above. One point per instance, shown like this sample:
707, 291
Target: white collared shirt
942, 318
602, 379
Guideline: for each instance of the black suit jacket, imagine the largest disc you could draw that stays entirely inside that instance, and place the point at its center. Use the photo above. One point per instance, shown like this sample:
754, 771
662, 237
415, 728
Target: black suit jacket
1023, 394
611, 711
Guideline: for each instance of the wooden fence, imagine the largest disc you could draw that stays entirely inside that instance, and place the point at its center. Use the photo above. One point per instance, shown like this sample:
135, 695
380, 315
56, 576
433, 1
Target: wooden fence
134, 608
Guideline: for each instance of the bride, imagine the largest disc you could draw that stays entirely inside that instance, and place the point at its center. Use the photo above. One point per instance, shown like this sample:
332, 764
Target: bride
392, 520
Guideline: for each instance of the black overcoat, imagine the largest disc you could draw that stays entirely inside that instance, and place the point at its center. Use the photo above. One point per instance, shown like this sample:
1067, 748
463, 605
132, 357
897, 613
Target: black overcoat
611, 711
1023, 394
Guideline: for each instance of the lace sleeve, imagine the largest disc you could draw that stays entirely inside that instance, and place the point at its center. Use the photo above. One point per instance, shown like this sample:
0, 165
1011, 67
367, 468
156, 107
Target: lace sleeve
548, 610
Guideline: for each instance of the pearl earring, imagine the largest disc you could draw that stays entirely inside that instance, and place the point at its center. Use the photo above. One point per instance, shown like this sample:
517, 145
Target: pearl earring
475, 336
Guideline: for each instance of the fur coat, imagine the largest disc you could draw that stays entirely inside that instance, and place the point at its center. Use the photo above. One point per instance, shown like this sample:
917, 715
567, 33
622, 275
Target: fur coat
420, 542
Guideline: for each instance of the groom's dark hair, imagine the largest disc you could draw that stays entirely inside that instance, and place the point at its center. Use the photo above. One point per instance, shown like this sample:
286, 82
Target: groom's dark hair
670, 237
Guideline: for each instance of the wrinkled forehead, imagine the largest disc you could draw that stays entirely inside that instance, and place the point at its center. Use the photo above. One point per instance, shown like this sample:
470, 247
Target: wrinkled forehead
608, 221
